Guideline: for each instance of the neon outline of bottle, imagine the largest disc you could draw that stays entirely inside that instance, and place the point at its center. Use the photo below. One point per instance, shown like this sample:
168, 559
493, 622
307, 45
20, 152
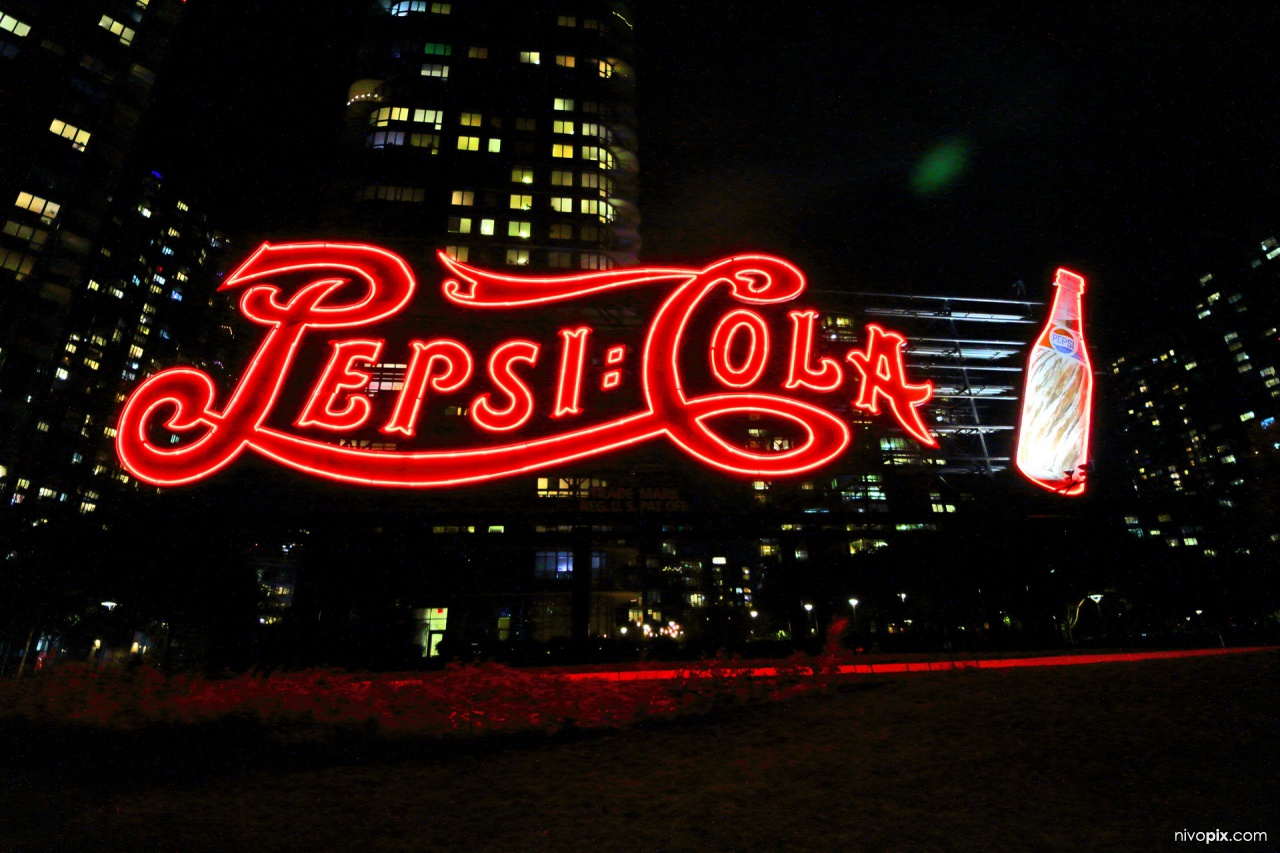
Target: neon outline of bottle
1057, 398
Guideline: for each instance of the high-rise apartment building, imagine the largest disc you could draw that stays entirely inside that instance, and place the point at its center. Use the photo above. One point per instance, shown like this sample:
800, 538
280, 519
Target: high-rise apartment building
1198, 419
97, 253
504, 134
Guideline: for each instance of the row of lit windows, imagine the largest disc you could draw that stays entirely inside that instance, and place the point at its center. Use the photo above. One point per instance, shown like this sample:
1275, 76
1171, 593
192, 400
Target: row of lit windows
384, 138
79, 138
405, 7
46, 209
556, 259
604, 67
560, 204
523, 230
116, 28
10, 24
564, 178
35, 237
381, 117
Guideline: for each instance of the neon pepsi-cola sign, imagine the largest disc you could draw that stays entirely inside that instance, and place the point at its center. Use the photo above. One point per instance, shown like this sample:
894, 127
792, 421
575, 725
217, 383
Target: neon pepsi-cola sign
721, 347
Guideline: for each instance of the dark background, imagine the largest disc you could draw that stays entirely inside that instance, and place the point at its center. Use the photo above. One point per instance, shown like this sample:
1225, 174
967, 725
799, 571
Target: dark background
883, 147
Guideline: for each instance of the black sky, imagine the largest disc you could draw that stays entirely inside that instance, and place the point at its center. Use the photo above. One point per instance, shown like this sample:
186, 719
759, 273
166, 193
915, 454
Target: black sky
1136, 144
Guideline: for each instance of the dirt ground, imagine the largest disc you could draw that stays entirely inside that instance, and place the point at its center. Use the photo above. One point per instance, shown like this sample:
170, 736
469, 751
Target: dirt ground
1109, 757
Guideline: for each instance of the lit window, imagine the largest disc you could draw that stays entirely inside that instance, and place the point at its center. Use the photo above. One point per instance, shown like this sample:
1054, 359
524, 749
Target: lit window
471, 119
564, 61
10, 24
595, 261
117, 29
486, 227
565, 127
562, 204
597, 208
458, 253
519, 229
477, 53
559, 260
561, 179
435, 117
432, 49
566, 21
434, 69
79, 138
561, 150
464, 198
35, 237
530, 57
441, 8
518, 257
564, 104
468, 143
380, 117
34, 203
1247, 416
605, 68
521, 202
522, 176
553, 564
495, 145
459, 225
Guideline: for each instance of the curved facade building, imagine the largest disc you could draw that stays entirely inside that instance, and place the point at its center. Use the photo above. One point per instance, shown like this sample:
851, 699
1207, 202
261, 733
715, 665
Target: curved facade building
506, 137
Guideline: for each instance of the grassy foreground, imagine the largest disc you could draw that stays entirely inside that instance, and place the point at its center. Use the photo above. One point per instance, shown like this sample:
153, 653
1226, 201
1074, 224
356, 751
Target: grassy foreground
1106, 757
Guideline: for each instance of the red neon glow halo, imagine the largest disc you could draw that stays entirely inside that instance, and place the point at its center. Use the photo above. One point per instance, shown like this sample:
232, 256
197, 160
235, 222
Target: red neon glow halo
351, 285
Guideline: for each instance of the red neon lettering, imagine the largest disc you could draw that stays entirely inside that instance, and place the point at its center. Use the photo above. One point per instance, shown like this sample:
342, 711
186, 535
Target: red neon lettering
884, 375
613, 378
339, 379
828, 376
520, 408
187, 395
738, 323
573, 356
297, 288
444, 365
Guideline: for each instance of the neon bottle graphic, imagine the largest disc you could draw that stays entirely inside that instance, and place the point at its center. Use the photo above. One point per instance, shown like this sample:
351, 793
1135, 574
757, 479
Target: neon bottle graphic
1053, 434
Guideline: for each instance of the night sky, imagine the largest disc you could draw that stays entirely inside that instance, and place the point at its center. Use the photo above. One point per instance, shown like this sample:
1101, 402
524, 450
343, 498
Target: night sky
883, 147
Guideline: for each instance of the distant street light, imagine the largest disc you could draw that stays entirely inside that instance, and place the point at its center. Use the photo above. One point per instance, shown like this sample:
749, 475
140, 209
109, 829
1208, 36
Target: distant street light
853, 603
110, 605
